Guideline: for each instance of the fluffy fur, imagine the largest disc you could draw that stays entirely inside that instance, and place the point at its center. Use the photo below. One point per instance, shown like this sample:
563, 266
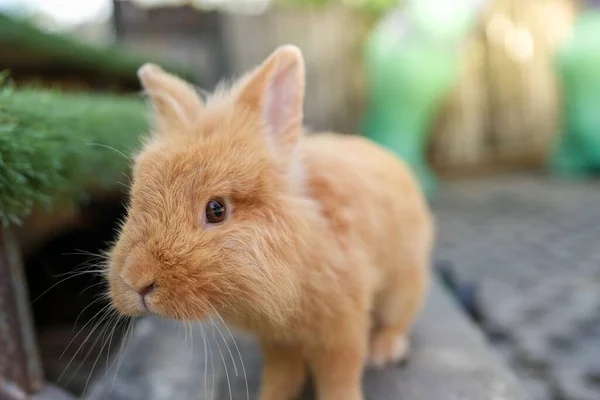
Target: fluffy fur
324, 256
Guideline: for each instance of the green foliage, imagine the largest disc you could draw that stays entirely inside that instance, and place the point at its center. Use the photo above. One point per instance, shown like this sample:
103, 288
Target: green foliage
55, 144
67, 51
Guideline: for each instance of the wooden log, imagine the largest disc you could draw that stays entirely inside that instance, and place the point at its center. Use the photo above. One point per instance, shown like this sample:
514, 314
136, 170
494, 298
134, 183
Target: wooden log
20, 368
21, 375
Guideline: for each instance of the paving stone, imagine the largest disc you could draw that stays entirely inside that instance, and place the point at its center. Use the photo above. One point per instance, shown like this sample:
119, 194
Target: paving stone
52, 392
532, 244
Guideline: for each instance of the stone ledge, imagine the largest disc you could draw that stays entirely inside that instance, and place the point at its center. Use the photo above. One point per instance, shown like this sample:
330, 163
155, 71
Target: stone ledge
52, 392
450, 360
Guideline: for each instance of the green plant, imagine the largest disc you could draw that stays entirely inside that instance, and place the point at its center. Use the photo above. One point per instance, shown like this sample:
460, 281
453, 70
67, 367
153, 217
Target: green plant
65, 50
57, 144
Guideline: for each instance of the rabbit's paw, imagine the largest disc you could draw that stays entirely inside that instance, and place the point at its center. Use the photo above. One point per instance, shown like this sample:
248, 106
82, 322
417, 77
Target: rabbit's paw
387, 348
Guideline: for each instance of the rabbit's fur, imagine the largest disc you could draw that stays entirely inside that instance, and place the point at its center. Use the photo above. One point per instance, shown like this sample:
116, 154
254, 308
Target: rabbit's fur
324, 255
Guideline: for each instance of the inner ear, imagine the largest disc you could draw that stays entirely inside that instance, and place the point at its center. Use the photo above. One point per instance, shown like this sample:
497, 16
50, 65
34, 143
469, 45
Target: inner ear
283, 99
276, 91
176, 102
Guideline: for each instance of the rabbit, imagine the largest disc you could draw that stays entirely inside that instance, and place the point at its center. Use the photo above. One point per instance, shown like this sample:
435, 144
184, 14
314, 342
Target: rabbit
317, 244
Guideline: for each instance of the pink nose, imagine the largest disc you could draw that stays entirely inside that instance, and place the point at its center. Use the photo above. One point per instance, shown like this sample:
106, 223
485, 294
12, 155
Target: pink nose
145, 291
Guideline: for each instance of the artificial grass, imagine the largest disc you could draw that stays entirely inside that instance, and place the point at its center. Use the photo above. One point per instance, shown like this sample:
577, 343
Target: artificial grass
56, 144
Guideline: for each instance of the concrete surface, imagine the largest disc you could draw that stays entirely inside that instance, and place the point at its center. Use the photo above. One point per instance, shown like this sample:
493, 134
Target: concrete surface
52, 392
451, 361
532, 244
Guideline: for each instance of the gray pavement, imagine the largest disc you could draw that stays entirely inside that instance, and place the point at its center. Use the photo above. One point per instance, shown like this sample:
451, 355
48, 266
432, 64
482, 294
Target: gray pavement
532, 244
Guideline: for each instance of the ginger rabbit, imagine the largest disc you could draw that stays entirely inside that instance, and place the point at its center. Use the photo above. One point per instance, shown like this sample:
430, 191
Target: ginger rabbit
317, 244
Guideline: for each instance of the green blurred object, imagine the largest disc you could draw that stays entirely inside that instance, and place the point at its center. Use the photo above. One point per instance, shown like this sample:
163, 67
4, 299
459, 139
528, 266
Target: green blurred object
375, 6
56, 144
62, 50
413, 59
578, 65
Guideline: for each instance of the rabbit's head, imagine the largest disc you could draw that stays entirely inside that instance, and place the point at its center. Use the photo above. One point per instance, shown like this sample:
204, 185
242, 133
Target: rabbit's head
214, 219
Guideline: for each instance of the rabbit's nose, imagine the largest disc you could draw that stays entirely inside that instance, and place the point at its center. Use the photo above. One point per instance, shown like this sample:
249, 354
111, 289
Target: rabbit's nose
145, 291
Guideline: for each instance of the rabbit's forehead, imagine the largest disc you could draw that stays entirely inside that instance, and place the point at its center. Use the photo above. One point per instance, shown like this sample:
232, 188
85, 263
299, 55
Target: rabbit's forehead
197, 180
200, 168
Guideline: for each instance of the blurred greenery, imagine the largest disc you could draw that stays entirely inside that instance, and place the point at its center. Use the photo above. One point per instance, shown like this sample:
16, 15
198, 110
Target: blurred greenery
60, 144
578, 151
69, 52
377, 6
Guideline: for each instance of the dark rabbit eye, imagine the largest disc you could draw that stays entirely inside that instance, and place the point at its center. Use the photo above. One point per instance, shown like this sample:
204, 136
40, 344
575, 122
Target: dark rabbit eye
215, 211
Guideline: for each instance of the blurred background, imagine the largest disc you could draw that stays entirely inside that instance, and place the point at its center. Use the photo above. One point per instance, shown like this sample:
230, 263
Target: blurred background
494, 103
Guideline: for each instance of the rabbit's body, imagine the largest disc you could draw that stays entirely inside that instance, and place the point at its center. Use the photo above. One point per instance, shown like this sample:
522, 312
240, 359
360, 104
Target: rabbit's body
374, 238
317, 244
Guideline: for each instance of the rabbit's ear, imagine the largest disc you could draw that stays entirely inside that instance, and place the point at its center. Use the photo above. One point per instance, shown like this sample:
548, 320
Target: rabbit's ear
276, 91
175, 101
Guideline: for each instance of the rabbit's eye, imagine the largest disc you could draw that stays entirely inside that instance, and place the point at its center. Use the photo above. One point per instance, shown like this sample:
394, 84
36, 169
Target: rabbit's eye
215, 211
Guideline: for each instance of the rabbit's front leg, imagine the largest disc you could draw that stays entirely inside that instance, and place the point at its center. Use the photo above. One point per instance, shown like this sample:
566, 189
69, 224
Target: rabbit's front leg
284, 373
338, 369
